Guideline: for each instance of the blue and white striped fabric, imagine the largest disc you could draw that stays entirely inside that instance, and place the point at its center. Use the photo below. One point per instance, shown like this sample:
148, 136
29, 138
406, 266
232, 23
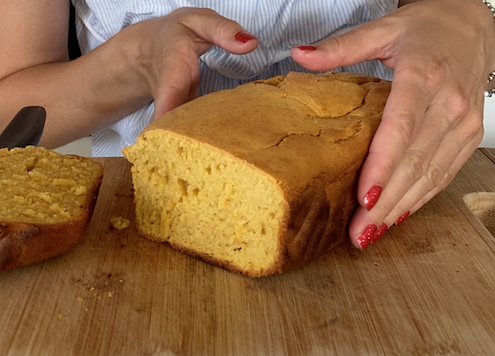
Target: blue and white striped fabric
279, 25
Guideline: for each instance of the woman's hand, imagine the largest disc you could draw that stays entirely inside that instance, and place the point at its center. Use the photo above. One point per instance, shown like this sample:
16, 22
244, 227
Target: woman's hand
442, 52
155, 59
167, 56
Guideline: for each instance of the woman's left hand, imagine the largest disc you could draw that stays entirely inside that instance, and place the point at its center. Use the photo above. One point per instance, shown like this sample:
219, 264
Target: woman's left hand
442, 52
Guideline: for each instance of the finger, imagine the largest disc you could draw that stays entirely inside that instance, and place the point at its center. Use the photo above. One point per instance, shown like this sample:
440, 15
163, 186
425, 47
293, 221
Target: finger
454, 150
450, 124
405, 108
178, 83
207, 26
424, 190
372, 235
195, 31
403, 148
439, 172
349, 48
448, 178
401, 122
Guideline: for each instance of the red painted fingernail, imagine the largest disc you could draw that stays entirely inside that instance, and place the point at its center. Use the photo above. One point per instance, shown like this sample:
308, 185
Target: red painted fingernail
402, 218
366, 237
372, 196
244, 37
307, 48
379, 233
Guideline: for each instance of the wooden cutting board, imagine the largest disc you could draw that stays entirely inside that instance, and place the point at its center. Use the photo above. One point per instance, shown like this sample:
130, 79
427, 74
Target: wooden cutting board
428, 288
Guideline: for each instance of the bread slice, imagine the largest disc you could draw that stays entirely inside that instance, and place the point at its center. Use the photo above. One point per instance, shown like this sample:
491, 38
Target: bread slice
259, 179
46, 203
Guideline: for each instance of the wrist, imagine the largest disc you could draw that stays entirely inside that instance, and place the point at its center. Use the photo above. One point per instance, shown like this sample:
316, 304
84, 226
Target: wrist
112, 84
129, 62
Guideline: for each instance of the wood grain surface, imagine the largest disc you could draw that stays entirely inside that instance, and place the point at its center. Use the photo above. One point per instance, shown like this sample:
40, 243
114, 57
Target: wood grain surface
427, 288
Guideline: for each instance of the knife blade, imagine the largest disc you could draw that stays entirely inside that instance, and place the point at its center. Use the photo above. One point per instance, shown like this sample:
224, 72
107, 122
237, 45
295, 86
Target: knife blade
25, 129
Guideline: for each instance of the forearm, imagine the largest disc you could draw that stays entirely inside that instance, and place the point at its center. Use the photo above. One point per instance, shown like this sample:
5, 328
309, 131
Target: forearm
80, 97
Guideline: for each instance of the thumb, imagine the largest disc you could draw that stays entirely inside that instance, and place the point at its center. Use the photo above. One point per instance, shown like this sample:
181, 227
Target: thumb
201, 28
210, 28
178, 87
370, 41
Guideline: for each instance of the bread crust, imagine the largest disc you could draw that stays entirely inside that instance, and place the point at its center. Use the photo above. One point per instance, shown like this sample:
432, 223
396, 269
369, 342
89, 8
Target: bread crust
23, 244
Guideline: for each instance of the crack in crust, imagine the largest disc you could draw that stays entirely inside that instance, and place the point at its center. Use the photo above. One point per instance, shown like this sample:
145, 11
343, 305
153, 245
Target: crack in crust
351, 87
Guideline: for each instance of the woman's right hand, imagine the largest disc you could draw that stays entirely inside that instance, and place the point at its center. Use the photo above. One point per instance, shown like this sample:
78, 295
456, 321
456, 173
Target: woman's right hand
155, 59
168, 49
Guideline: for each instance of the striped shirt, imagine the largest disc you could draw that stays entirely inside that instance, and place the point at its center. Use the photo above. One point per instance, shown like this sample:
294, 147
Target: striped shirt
278, 24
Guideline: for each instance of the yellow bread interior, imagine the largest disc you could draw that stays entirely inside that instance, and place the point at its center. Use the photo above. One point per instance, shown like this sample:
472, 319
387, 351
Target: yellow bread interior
40, 186
198, 199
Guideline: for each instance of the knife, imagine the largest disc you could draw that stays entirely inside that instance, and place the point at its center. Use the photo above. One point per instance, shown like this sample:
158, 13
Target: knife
25, 129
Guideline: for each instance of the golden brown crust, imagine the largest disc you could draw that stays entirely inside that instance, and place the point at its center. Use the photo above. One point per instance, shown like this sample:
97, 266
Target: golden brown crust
22, 243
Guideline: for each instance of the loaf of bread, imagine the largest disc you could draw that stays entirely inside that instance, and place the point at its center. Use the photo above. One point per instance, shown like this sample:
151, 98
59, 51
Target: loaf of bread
262, 178
46, 203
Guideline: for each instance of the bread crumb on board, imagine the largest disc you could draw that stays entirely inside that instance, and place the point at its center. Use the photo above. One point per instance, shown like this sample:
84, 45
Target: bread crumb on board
119, 223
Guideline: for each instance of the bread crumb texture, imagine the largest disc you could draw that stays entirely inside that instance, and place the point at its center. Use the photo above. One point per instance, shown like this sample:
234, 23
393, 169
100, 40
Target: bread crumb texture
197, 198
41, 186
233, 177
119, 223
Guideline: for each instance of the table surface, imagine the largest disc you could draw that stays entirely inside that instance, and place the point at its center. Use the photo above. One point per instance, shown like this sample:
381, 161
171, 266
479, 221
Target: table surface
428, 288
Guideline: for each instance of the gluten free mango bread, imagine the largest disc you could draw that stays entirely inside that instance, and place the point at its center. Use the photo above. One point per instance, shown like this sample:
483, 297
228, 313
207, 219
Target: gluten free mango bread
262, 178
46, 203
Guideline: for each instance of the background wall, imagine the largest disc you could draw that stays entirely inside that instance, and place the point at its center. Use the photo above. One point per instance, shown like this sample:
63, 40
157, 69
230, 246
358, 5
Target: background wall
80, 147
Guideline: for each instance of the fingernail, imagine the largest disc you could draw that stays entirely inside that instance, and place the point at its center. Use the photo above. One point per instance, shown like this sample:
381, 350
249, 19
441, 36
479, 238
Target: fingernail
366, 237
402, 218
244, 37
379, 233
372, 196
307, 48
